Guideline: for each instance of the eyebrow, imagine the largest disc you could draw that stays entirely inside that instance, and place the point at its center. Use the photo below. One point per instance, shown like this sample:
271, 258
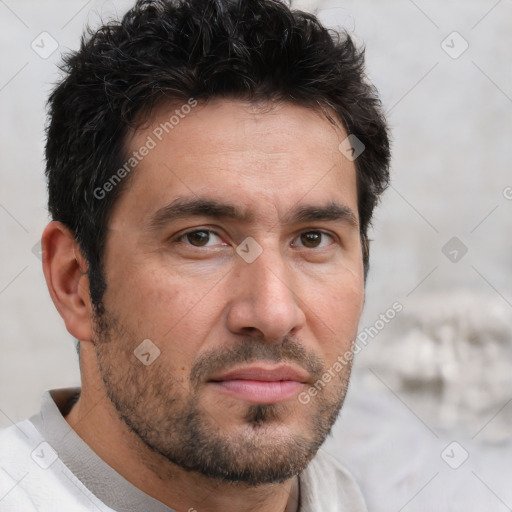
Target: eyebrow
333, 211
184, 207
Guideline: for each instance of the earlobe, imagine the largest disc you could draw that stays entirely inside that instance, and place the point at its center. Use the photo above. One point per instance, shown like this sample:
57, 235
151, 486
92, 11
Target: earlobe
65, 269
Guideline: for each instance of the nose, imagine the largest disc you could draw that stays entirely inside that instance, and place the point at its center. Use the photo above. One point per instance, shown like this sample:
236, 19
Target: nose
265, 300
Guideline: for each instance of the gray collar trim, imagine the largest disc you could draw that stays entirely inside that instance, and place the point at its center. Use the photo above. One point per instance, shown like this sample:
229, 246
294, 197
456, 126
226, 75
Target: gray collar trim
102, 480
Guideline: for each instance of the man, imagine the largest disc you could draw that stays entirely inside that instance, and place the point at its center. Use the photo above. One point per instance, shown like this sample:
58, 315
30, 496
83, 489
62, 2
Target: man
213, 167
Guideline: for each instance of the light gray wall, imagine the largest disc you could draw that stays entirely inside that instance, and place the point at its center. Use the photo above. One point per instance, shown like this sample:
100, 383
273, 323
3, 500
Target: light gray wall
452, 126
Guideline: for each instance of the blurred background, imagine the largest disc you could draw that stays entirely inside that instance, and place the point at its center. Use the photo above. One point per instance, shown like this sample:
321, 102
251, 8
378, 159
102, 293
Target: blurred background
427, 421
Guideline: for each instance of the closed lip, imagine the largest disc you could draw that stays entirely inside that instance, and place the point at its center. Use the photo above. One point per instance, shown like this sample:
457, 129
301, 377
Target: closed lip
264, 374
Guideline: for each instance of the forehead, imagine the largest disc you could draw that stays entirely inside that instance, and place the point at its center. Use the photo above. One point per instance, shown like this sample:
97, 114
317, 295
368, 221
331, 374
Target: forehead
272, 154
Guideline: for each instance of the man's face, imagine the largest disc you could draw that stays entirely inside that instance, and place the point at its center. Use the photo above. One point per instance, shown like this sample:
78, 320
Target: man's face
277, 313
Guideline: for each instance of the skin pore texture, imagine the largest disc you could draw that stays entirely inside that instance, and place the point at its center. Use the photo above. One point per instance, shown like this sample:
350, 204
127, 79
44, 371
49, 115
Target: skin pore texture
173, 428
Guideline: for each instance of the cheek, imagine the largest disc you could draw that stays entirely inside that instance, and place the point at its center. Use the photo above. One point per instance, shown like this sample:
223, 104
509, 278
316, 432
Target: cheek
336, 316
166, 309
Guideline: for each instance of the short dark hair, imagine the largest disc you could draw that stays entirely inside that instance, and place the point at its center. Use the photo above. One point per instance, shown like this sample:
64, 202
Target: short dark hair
174, 50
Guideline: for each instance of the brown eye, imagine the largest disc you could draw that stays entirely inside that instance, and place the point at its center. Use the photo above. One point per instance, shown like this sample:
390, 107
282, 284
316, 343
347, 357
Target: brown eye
201, 238
311, 239
198, 238
314, 239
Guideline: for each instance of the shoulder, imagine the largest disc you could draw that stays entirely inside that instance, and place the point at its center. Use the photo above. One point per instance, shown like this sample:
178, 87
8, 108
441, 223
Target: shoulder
32, 477
16, 445
328, 486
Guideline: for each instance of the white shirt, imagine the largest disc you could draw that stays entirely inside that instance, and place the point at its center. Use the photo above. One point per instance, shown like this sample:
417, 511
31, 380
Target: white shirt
46, 467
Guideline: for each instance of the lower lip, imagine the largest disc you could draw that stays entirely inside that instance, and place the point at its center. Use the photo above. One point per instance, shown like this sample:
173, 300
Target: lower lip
261, 392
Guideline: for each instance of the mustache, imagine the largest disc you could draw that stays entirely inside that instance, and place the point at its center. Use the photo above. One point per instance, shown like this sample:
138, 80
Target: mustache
249, 350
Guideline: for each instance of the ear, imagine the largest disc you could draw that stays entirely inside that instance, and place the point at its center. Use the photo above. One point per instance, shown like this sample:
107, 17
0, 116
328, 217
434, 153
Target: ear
64, 269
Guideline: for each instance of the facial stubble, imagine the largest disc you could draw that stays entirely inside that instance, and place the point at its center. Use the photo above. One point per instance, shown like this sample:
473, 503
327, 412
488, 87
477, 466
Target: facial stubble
168, 417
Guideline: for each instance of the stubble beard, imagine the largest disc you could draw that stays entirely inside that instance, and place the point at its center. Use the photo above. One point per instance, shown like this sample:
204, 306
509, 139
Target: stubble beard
171, 422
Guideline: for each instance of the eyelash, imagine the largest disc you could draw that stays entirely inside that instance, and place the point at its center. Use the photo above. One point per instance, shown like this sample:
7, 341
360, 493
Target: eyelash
183, 235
